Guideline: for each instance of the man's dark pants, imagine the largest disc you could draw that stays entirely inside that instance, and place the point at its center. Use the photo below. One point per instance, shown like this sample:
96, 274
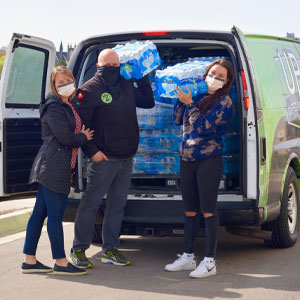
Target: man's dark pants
110, 177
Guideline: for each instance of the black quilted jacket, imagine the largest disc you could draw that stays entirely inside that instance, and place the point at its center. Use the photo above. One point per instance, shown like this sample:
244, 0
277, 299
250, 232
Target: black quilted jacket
51, 167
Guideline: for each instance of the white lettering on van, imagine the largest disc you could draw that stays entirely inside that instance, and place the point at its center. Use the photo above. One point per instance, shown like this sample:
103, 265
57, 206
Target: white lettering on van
293, 110
296, 68
290, 66
291, 85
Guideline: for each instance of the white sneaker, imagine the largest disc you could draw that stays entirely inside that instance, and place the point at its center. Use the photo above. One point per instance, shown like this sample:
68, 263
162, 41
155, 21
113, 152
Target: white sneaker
183, 262
205, 269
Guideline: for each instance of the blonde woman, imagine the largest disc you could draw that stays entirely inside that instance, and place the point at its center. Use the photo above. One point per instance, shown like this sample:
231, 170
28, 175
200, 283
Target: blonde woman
62, 134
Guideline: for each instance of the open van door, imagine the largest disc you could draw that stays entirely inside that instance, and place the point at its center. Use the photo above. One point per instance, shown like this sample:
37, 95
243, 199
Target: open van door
252, 107
24, 83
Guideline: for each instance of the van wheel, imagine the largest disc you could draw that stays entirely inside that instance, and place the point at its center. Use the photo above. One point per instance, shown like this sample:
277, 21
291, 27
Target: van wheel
285, 227
97, 235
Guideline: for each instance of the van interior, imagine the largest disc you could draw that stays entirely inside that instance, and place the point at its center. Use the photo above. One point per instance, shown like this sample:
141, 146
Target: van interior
156, 164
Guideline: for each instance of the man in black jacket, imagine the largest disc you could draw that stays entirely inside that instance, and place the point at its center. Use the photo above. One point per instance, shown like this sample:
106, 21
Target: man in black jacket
108, 106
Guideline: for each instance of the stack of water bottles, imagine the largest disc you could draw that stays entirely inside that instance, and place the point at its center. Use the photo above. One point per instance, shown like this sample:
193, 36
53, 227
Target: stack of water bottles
158, 151
137, 59
160, 138
231, 141
186, 75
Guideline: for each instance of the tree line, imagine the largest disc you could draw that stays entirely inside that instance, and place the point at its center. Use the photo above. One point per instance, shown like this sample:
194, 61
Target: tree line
2, 57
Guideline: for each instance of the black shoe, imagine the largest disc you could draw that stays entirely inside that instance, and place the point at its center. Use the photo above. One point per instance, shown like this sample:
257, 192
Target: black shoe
36, 268
68, 270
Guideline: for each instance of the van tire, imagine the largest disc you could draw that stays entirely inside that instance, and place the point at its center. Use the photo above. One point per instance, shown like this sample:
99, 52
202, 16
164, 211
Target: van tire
282, 235
97, 234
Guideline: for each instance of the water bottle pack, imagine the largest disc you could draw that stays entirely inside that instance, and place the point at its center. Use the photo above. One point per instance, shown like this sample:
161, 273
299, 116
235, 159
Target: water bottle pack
158, 117
235, 124
233, 93
231, 164
137, 59
170, 164
156, 164
186, 75
231, 143
209, 58
143, 164
159, 141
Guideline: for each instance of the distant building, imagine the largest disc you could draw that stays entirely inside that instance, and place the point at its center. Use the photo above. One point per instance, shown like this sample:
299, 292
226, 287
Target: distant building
291, 36
65, 56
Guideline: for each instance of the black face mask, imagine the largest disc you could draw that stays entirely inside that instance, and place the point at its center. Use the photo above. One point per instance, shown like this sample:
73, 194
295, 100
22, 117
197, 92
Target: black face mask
111, 76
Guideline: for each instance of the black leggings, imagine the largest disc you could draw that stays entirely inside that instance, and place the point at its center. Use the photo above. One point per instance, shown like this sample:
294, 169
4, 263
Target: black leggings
199, 182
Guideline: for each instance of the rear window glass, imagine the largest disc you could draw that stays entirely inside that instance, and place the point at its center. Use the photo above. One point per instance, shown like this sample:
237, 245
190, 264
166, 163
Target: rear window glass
25, 83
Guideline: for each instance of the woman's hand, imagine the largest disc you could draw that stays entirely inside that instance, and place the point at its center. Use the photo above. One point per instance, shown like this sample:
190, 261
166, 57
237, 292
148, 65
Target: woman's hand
185, 98
88, 133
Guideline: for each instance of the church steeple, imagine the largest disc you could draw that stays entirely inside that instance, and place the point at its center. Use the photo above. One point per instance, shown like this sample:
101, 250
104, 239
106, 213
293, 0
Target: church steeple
61, 50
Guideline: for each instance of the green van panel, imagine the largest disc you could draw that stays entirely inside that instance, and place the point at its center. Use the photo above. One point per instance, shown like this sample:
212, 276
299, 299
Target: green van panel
277, 65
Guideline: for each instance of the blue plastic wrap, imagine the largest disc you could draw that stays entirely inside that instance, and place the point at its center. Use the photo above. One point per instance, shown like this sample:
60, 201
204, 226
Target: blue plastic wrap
231, 143
184, 75
156, 164
231, 164
137, 59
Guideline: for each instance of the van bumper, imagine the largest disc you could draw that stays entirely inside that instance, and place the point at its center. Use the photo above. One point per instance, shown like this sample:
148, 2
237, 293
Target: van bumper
172, 212
146, 215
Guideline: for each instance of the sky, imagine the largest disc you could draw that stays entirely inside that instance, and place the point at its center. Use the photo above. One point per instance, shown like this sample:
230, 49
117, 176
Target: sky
72, 21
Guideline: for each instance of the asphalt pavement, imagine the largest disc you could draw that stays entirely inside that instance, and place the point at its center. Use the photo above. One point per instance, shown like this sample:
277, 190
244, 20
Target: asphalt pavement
247, 269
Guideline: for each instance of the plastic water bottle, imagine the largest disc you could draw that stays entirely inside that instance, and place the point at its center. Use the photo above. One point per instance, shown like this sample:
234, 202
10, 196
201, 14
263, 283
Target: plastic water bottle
233, 93
186, 75
137, 59
159, 117
169, 164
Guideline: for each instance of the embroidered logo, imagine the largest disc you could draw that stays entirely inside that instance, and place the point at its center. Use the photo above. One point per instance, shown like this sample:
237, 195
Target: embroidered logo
106, 97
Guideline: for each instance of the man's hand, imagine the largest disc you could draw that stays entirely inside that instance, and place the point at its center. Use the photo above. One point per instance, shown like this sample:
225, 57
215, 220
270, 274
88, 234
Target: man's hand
99, 156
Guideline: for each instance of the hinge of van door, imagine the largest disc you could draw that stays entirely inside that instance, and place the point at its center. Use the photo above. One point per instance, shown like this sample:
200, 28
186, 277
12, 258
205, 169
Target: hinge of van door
15, 46
263, 150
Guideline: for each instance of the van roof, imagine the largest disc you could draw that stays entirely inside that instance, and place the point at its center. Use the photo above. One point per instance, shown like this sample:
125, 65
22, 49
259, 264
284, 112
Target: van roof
164, 34
270, 37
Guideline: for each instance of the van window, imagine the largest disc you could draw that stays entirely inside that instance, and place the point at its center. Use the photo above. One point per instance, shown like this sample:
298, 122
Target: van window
25, 83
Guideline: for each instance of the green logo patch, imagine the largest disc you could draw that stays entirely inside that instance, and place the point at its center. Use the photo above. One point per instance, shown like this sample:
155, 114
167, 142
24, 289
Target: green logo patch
106, 97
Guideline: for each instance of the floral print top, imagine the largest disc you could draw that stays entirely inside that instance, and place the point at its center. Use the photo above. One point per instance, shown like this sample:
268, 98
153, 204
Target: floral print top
202, 133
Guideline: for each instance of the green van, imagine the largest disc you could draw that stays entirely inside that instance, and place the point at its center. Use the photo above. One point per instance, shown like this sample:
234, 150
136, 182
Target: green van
259, 192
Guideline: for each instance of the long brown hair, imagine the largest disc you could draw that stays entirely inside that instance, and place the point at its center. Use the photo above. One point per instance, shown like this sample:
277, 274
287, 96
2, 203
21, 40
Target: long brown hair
211, 100
63, 70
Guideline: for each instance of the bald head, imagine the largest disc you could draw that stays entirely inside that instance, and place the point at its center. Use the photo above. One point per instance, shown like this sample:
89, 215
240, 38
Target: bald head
108, 57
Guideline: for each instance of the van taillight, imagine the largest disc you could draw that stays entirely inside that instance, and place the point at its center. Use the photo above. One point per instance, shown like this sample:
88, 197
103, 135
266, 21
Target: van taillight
152, 33
245, 91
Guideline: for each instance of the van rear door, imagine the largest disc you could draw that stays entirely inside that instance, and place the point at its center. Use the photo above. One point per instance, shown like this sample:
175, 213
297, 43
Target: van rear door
24, 83
252, 109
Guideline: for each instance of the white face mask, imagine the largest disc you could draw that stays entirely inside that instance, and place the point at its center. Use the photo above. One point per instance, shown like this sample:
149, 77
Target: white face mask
66, 90
214, 83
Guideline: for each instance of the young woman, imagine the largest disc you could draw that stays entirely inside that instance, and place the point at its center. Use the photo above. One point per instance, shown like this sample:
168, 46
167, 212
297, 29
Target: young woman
204, 123
62, 134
